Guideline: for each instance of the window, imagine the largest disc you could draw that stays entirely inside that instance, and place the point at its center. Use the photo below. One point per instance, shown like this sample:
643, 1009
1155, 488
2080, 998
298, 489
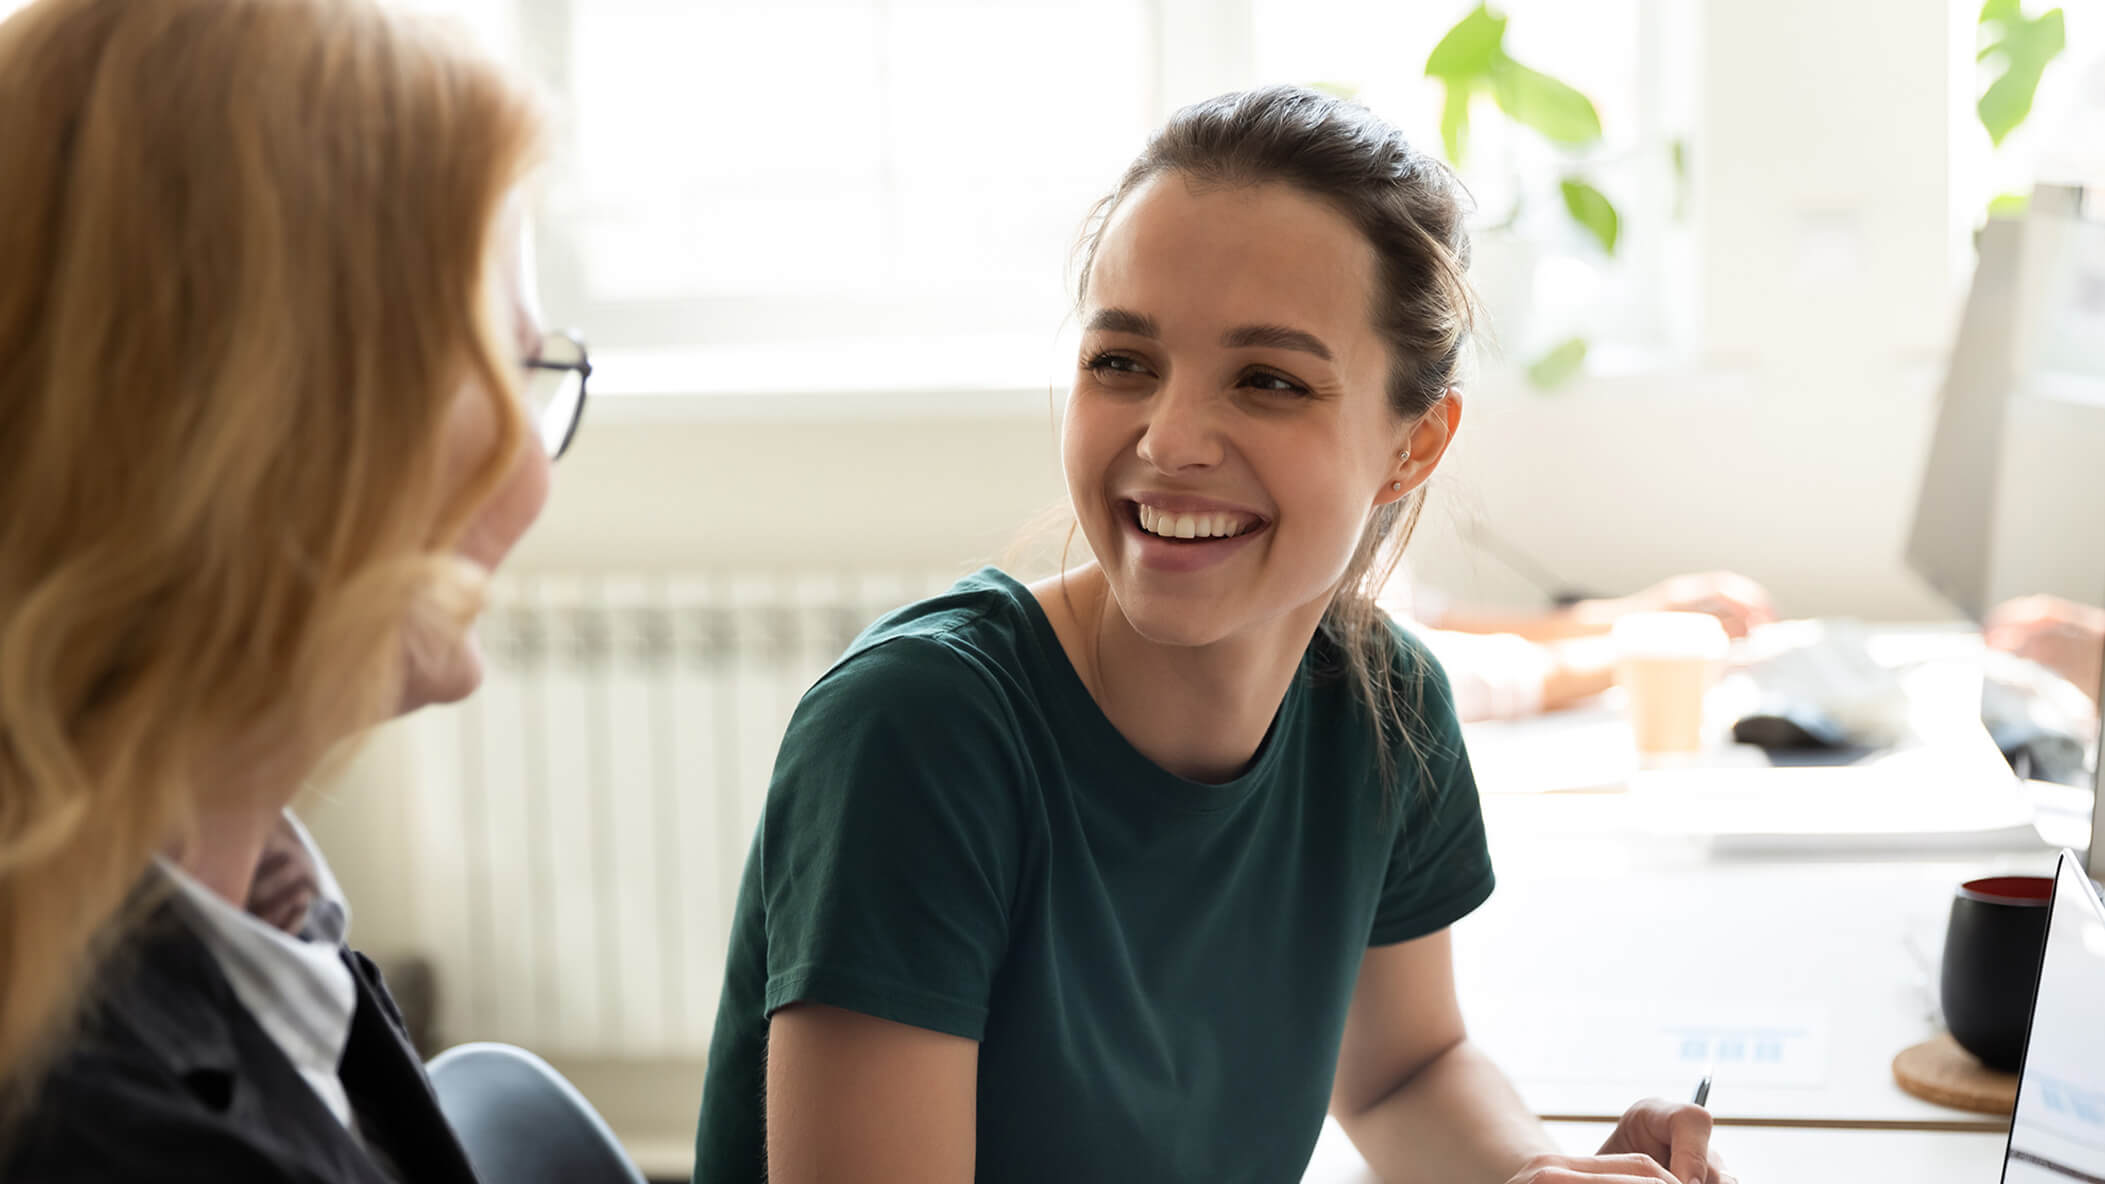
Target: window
788, 172
757, 183
900, 169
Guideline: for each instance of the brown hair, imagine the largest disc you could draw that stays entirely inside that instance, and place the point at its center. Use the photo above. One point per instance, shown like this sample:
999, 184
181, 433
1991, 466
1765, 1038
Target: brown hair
242, 283
1411, 208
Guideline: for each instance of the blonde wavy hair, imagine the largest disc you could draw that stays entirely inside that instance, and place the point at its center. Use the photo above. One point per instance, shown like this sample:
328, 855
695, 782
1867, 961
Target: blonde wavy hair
243, 252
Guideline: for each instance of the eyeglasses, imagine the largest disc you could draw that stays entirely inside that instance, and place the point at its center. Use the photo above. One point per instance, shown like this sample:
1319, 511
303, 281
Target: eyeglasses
555, 390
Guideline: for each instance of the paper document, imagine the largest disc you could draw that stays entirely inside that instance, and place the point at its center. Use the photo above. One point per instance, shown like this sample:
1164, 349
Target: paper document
1917, 798
1660, 1050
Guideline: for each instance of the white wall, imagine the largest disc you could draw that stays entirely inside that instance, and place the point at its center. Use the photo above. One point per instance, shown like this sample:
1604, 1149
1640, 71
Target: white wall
795, 493
1804, 483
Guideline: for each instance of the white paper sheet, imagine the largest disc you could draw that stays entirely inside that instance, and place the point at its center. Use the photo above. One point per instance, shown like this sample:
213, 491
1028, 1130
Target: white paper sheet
1663, 1051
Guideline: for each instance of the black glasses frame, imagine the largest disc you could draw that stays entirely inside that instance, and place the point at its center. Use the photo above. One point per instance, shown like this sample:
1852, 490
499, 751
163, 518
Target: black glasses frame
583, 367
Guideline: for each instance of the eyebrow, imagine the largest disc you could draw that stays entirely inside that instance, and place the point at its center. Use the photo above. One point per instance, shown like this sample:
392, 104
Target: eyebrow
1275, 337
1124, 320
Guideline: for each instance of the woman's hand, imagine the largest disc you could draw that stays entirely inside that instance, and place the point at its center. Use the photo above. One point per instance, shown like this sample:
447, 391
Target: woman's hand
1737, 602
1676, 1134
1627, 1168
1651, 1133
2063, 636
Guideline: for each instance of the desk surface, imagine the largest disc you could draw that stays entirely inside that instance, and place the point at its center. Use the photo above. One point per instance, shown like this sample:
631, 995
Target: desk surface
1608, 968
1616, 961
1763, 1154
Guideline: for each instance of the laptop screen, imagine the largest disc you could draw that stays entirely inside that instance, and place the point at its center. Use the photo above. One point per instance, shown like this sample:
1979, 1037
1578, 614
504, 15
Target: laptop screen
2058, 1133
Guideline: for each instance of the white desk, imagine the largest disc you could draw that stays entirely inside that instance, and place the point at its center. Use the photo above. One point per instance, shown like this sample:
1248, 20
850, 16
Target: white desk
1763, 1155
1607, 931
1592, 944
1615, 961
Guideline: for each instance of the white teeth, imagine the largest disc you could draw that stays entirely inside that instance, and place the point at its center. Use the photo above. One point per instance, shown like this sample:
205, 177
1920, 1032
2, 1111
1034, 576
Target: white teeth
1188, 526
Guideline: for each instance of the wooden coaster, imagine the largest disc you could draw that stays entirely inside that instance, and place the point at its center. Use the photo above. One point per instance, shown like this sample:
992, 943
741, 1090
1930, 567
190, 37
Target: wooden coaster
1938, 1070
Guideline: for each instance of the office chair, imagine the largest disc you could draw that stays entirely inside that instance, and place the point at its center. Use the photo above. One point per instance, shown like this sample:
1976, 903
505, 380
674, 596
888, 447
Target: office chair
522, 1123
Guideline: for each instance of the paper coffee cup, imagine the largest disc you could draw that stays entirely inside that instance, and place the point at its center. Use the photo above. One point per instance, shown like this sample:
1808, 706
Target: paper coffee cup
1665, 663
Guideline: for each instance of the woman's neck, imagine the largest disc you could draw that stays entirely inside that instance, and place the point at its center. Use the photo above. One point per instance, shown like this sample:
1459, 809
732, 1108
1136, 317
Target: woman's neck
245, 798
1200, 712
223, 854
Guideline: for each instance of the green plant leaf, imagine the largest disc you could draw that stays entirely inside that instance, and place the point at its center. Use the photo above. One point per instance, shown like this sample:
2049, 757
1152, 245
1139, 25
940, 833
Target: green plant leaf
1468, 50
2025, 46
1337, 90
1590, 208
1678, 153
2007, 101
2009, 205
1559, 366
1541, 102
2000, 10
1454, 120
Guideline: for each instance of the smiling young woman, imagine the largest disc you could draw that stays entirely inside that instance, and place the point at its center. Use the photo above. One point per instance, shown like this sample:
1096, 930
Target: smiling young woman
1134, 873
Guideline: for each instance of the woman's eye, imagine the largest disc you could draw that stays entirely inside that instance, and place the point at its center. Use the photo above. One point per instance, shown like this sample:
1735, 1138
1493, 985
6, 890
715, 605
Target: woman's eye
1107, 363
1265, 380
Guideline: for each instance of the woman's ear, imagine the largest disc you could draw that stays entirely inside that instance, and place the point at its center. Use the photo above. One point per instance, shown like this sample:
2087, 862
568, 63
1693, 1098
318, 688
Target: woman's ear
1420, 447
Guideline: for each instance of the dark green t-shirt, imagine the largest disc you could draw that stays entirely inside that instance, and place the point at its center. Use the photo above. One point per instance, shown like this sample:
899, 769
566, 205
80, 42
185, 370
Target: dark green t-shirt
1156, 970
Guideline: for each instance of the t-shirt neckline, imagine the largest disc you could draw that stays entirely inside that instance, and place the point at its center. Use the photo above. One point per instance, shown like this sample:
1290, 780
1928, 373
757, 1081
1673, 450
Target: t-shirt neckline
1103, 745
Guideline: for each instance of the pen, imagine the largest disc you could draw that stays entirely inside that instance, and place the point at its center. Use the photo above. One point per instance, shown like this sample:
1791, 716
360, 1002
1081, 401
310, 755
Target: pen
1703, 1090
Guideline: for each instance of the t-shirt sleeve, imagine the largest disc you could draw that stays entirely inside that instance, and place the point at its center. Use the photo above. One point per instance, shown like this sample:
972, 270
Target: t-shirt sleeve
890, 842
1440, 866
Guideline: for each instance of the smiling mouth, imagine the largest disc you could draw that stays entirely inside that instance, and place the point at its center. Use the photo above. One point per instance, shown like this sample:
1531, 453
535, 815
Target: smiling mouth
1192, 528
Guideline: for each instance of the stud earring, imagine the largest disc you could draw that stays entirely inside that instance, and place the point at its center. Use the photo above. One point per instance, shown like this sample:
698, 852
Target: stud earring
1403, 456
1395, 485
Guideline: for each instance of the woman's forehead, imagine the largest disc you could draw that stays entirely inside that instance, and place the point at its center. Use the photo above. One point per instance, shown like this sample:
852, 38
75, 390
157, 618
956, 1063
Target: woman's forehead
1257, 253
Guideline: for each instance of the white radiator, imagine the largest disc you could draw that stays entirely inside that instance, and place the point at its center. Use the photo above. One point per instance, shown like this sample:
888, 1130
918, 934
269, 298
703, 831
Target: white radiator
585, 816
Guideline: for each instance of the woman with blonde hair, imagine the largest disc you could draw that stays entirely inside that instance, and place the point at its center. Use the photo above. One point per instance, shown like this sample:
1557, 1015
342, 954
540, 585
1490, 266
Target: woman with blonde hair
266, 432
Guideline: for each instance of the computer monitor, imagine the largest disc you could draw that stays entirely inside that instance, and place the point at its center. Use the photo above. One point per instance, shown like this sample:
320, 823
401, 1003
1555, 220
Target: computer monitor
2013, 476
2012, 499
1949, 542
2057, 1134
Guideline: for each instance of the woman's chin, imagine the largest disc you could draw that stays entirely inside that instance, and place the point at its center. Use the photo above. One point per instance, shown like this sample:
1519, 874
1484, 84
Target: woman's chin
435, 680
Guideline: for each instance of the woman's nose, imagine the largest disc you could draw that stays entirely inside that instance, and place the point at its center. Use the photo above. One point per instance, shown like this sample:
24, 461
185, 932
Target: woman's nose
1180, 433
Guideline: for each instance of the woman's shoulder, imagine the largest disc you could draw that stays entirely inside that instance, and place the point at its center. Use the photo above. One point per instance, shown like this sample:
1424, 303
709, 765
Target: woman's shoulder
1399, 660
974, 642
146, 1087
1391, 713
925, 722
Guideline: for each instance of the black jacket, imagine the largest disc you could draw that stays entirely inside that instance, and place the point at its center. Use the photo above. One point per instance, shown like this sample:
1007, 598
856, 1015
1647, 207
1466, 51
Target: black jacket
171, 1079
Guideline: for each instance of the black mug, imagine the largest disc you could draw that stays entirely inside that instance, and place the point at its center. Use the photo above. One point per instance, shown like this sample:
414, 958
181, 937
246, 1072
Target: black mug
1991, 965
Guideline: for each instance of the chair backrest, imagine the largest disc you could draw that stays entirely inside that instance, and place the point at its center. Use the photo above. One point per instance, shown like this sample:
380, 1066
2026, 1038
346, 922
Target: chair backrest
522, 1123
